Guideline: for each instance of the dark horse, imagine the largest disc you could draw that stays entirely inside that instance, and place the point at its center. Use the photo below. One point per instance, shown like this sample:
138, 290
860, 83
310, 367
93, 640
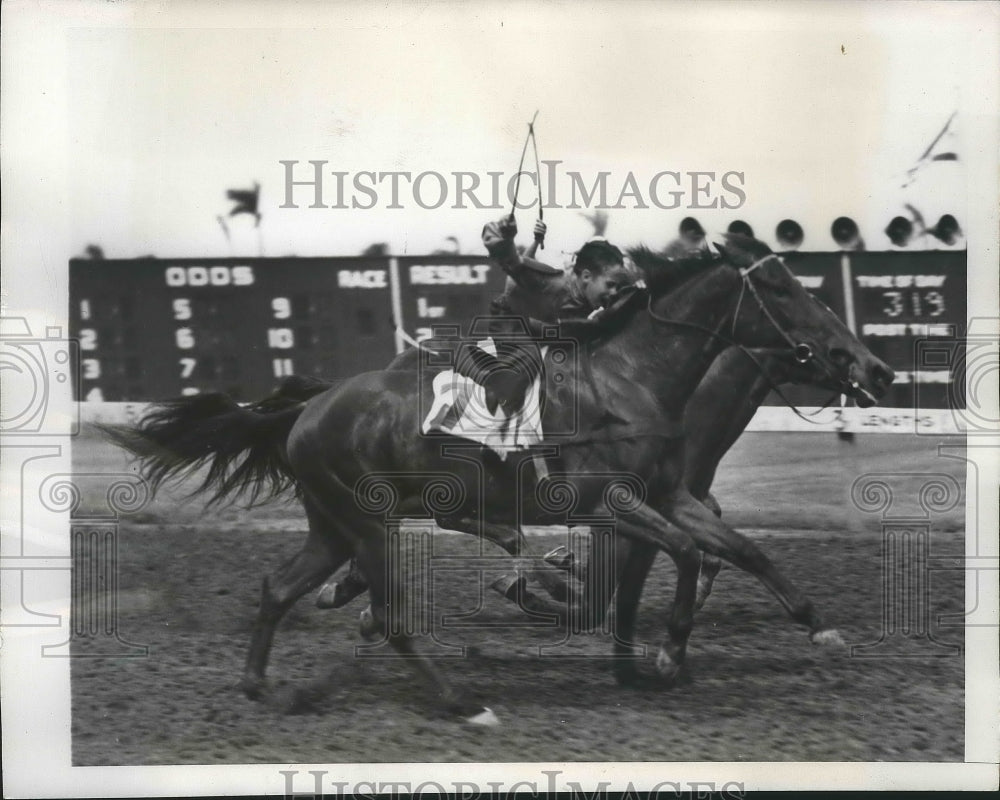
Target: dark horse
645, 365
716, 415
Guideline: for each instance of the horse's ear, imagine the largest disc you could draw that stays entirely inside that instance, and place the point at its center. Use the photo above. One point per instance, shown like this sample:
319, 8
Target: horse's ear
721, 248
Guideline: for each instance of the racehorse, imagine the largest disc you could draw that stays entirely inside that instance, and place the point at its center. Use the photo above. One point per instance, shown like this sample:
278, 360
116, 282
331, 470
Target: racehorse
644, 366
716, 415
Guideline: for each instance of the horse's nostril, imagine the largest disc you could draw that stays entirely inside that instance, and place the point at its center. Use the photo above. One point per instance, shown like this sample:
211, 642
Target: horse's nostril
840, 357
884, 376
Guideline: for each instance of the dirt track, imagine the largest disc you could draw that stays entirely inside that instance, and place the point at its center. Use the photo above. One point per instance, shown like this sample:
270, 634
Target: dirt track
753, 689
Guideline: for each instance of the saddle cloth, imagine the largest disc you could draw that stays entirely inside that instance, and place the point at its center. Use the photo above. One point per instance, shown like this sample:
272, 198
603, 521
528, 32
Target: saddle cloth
460, 409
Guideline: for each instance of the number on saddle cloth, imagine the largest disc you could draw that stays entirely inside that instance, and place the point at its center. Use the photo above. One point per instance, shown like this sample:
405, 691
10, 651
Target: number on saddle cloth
466, 402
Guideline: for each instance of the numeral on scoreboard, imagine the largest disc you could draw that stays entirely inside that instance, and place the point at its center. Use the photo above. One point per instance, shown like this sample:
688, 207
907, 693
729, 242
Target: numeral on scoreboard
88, 339
187, 366
935, 299
282, 367
91, 369
95, 395
930, 304
280, 338
185, 338
84, 309
282, 307
182, 308
895, 307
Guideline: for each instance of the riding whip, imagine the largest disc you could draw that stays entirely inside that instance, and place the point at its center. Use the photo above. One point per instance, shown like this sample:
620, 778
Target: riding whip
538, 176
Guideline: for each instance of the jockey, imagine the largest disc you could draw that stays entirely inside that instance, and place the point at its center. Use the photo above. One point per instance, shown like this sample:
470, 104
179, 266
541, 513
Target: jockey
548, 294
539, 292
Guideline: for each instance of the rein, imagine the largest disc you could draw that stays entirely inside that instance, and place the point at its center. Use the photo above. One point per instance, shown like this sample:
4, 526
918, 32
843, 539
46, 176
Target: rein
803, 353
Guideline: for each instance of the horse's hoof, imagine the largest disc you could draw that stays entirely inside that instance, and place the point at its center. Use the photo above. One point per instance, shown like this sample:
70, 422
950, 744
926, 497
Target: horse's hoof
366, 624
328, 595
510, 586
252, 688
667, 667
486, 717
828, 637
338, 594
627, 675
302, 701
560, 558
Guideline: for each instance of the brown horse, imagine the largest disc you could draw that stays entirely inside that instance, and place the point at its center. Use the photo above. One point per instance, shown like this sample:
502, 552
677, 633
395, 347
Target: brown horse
716, 415
718, 412
644, 366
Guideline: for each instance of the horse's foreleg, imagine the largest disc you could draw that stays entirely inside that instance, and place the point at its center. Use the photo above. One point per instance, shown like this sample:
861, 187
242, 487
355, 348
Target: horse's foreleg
647, 526
324, 552
715, 537
639, 559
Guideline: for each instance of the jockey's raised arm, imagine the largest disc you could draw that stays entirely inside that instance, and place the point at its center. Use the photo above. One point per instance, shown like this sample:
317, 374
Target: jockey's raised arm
524, 270
540, 230
538, 293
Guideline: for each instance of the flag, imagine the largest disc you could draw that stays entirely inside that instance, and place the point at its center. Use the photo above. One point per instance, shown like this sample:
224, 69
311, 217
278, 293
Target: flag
246, 202
224, 226
937, 150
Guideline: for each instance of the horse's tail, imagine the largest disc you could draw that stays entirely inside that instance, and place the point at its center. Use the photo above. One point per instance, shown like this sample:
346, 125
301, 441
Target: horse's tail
243, 447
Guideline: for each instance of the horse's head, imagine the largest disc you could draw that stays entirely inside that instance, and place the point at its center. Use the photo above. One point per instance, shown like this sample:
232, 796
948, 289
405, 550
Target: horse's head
774, 310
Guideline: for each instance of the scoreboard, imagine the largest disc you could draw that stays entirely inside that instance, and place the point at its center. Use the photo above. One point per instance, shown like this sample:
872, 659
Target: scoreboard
894, 302
904, 299
150, 329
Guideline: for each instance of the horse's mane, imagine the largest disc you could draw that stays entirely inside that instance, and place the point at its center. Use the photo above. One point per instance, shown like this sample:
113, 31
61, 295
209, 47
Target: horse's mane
664, 274
660, 276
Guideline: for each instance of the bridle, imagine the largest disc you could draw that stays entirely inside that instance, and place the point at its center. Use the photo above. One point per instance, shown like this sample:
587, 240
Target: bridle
801, 351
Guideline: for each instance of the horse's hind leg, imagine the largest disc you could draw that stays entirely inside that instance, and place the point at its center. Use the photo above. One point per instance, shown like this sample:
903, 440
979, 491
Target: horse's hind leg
710, 565
511, 539
390, 613
336, 594
324, 551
